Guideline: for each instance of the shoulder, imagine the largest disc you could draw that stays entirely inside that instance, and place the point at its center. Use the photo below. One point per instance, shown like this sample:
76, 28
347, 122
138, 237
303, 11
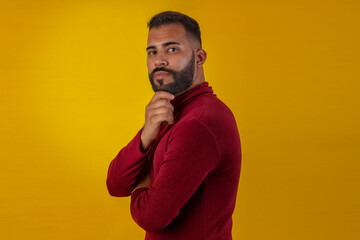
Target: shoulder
210, 111
191, 127
206, 106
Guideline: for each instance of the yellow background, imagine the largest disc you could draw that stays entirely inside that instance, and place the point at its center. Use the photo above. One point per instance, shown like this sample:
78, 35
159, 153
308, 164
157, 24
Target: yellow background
74, 85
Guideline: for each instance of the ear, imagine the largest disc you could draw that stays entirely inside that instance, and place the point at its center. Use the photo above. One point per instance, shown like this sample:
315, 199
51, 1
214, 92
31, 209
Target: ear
200, 57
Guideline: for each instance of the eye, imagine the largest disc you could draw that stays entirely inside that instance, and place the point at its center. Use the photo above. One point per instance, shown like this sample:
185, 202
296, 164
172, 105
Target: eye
151, 52
173, 49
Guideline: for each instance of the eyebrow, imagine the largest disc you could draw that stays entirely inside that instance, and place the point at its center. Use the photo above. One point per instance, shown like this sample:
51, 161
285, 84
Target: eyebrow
164, 45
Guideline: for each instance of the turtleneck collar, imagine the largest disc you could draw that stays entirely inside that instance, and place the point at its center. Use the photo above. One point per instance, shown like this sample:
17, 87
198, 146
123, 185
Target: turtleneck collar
188, 96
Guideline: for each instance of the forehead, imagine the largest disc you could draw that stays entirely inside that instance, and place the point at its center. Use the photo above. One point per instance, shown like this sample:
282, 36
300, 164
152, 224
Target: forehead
167, 33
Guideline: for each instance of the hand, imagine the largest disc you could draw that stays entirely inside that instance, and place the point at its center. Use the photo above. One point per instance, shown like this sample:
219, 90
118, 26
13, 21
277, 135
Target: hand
159, 110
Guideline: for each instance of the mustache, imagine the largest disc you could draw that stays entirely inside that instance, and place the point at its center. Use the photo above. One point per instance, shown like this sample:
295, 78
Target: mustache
162, 69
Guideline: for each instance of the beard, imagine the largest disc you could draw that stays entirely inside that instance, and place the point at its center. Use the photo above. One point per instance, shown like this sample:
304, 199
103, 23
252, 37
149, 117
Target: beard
182, 79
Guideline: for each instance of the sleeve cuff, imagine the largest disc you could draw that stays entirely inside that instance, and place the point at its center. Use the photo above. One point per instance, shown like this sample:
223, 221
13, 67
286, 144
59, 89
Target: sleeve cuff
137, 143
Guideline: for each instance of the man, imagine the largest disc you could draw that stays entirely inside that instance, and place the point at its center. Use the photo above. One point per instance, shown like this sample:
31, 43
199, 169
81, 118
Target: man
182, 168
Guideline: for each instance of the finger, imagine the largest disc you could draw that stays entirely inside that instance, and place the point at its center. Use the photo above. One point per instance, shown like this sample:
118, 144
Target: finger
162, 95
162, 117
160, 104
158, 111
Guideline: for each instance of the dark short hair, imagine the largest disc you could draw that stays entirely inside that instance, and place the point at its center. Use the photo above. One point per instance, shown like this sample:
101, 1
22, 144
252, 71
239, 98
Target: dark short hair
169, 17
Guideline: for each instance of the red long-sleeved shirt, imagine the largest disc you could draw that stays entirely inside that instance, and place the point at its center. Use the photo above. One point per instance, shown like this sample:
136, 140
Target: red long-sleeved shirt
194, 167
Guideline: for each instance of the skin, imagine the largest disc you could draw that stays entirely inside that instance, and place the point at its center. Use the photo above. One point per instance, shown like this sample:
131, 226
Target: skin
171, 47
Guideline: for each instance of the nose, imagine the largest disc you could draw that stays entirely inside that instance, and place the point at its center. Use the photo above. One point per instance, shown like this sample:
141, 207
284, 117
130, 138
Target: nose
161, 60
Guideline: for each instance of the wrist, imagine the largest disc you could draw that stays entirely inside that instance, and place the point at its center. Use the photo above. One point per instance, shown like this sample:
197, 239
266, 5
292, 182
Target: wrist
144, 143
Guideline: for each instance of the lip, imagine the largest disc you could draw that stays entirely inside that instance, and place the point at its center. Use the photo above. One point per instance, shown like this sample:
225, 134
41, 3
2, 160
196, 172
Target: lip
161, 74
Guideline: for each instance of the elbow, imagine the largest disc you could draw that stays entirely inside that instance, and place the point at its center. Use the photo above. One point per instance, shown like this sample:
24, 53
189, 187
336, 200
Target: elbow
149, 216
118, 184
150, 224
117, 190
151, 227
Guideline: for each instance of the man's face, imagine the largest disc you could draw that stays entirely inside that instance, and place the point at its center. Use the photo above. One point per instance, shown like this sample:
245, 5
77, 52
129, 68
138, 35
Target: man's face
170, 59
